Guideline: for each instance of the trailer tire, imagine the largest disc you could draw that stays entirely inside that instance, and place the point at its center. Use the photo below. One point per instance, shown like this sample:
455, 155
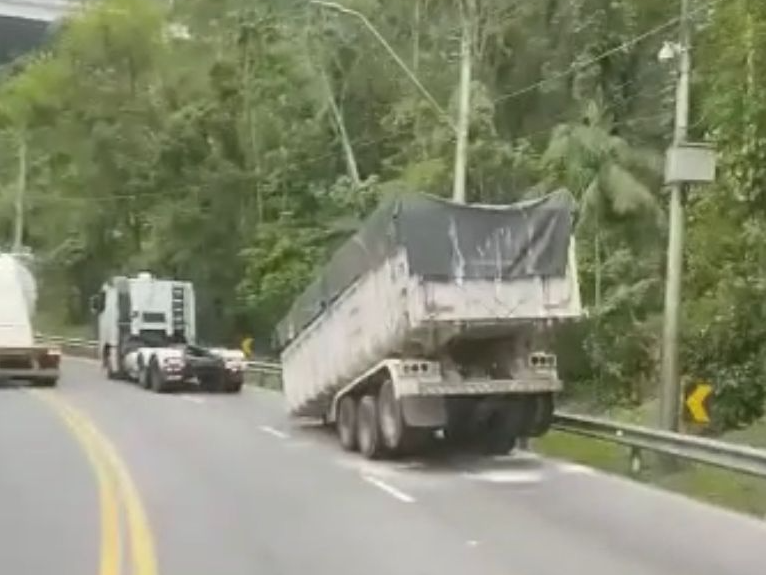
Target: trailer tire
347, 422
394, 430
368, 428
499, 438
543, 415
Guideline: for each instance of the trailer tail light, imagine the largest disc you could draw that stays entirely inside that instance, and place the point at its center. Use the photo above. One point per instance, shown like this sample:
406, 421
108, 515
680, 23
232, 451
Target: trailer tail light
542, 361
49, 359
417, 368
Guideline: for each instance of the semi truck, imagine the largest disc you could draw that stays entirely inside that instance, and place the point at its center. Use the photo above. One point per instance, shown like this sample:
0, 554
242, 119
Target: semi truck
147, 333
21, 358
436, 320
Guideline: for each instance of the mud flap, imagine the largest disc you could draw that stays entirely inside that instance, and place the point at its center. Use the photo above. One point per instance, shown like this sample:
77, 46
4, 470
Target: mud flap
419, 411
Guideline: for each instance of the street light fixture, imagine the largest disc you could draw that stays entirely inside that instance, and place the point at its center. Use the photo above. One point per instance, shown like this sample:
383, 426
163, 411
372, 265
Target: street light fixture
379, 37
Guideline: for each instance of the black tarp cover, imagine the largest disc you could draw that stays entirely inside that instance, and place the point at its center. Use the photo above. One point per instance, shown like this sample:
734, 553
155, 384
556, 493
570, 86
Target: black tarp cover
445, 241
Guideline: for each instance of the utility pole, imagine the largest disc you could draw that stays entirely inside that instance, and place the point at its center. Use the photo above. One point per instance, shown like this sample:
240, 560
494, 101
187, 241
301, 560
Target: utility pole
18, 230
670, 392
464, 102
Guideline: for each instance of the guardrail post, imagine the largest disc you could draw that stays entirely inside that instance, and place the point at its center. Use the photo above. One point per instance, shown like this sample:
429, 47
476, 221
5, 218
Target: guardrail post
636, 461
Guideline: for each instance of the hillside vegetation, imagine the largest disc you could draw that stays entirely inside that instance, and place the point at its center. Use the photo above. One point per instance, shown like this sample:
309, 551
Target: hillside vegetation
235, 143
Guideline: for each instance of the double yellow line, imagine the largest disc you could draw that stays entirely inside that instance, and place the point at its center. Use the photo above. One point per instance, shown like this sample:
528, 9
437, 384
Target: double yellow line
116, 492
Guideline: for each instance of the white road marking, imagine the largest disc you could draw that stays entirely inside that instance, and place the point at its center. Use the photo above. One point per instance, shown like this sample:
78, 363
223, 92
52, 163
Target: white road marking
193, 399
576, 469
274, 432
472, 543
390, 489
506, 476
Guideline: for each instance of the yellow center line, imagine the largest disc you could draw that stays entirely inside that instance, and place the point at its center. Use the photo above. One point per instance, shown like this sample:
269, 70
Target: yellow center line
111, 470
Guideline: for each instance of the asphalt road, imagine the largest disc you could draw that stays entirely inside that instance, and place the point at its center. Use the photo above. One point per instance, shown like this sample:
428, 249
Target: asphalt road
103, 478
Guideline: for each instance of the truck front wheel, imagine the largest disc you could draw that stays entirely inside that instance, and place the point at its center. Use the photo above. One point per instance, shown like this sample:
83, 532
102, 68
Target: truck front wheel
156, 378
347, 423
368, 428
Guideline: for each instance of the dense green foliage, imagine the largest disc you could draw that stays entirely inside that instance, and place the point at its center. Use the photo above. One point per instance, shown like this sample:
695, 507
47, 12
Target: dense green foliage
235, 143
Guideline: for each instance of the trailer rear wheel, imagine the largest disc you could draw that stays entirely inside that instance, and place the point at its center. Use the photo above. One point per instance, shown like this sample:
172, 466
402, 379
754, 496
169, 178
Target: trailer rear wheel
397, 436
499, 439
543, 415
368, 428
347, 422
503, 426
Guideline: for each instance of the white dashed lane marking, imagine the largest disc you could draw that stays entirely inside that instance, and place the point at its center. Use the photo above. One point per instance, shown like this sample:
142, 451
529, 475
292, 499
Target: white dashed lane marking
274, 432
506, 476
193, 399
390, 489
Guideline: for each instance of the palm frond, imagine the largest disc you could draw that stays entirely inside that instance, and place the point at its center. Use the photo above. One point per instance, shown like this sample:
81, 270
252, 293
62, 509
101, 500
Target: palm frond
641, 159
627, 194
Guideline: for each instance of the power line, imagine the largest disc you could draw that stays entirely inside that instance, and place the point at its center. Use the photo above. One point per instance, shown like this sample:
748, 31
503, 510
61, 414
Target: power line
575, 66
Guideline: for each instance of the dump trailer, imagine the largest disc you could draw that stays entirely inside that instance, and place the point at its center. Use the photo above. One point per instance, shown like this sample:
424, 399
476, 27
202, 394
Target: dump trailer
21, 358
435, 320
147, 333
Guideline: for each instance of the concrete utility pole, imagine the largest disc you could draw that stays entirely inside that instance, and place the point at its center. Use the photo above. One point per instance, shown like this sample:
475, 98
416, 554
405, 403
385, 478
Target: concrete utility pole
18, 229
670, 393
464, 102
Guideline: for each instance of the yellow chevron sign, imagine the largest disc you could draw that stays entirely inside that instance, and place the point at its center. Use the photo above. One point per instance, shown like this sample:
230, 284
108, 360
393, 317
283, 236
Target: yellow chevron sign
247, 346
697, 402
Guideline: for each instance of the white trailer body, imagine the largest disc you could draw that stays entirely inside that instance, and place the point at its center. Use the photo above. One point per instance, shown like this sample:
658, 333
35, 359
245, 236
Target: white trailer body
20, 357
475, 328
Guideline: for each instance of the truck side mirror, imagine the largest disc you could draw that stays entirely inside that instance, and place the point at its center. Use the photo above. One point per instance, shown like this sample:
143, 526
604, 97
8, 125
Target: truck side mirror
97, 303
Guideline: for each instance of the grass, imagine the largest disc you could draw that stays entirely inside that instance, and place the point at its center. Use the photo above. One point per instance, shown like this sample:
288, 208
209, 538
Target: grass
717, 486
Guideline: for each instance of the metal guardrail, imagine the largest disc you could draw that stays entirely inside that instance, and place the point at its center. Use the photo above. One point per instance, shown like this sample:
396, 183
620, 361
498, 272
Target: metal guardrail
89, 348
733, 457
730, 456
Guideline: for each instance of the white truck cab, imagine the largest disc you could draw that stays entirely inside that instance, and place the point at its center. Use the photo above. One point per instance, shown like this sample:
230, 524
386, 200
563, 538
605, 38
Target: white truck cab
147, 333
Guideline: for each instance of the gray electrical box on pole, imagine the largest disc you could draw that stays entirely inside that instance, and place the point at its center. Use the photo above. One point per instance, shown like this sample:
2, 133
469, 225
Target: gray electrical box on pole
688, 163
